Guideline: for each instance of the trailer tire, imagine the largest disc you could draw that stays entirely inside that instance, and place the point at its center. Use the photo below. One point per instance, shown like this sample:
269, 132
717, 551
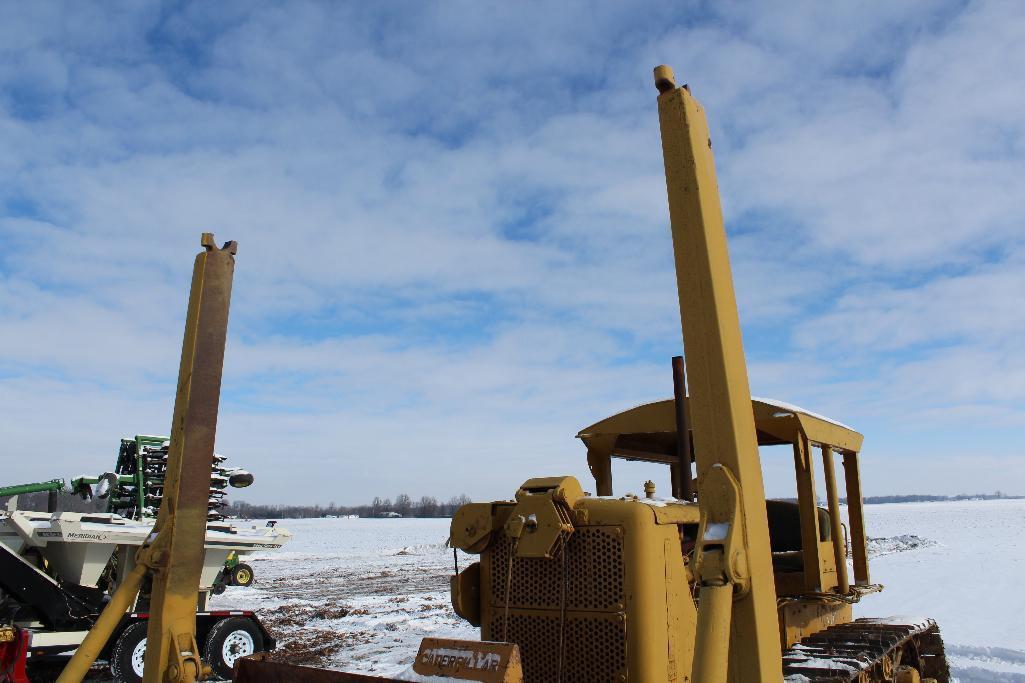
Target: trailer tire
229, 640
129, 653
242, 575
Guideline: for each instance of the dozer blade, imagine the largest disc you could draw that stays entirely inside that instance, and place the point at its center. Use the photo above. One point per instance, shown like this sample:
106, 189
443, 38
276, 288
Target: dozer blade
466, 660
256, 669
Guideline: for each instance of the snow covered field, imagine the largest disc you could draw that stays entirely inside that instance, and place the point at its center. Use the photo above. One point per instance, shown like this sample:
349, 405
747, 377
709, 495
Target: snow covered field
359, 594
970, 580
355, 594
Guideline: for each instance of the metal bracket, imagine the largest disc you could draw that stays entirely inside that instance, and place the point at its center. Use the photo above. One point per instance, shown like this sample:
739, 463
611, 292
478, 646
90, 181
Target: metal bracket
543, 516
472, 527
187, 665
208, 242
719, 554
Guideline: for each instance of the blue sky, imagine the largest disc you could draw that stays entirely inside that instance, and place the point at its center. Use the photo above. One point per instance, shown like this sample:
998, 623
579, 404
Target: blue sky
453, 231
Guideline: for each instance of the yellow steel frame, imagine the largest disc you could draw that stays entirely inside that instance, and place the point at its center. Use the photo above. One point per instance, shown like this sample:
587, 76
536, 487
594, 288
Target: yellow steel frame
172, 652
175, 557
647, 433
720, 397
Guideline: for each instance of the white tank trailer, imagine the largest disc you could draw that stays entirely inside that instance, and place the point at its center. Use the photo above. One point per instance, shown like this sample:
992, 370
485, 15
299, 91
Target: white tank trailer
78, 546
56, 567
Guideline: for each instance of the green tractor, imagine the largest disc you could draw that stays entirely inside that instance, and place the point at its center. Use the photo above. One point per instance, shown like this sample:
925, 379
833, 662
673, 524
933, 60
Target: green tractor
235, 573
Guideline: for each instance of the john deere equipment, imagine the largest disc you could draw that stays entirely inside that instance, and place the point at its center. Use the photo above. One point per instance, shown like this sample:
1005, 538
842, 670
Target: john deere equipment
140, 471
136, 486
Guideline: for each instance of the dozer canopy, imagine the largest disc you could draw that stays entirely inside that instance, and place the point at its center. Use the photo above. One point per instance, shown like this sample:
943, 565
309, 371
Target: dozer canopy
648, 431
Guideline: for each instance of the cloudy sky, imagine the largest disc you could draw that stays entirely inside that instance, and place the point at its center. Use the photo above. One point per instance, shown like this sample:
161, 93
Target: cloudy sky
452, 227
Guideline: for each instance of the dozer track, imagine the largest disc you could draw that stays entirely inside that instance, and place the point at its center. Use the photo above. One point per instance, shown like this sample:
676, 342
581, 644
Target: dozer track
867, 651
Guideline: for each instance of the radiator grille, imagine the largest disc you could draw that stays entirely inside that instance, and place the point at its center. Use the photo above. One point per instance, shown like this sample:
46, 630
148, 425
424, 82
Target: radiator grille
595, 628
595, 646
594, 573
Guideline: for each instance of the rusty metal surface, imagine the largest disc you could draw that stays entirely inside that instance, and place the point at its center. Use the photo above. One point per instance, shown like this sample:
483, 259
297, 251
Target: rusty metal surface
177, 552
257, 670
483, 661
683, 482
867, 650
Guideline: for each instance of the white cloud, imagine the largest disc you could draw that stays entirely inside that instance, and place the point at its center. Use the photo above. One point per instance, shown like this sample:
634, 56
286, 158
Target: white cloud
453, 250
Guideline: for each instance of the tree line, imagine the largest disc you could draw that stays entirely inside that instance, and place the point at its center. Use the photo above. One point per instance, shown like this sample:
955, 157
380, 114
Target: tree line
426, 506
403, 505
926, 498
917, 498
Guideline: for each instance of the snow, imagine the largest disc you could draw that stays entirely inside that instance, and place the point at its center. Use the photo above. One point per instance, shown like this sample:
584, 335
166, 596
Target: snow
967, 577
825, 665
790, 407
356, 594
897, 544
655, 502
359, 594
410, 675
717, 531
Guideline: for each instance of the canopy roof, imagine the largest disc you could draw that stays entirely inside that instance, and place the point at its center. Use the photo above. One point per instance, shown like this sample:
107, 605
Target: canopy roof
648, 432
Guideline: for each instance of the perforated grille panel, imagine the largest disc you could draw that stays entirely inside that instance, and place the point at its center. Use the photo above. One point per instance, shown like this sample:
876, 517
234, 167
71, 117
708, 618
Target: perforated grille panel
594, 573
595, 626
595, 645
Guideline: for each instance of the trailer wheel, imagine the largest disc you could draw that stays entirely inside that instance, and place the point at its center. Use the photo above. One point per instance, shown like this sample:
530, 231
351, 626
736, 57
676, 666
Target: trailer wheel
242, 575
129, 654
228, 641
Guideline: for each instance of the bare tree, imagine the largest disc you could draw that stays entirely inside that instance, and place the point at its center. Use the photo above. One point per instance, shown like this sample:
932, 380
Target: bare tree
454, 503
427, 507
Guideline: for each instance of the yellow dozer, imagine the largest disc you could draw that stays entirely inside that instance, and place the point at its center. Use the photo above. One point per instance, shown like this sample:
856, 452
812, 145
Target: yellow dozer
723, 585
603, 587
713, 586
729, 586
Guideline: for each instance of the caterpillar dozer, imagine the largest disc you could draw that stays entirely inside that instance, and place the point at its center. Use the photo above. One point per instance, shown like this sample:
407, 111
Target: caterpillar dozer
714, 584
721, 586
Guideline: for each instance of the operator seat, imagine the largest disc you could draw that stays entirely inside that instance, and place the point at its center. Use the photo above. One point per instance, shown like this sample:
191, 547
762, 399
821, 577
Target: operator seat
785, 534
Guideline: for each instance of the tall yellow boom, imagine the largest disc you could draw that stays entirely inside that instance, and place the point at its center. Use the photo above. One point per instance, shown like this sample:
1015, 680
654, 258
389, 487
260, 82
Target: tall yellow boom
172, 653
175, 556
736, 578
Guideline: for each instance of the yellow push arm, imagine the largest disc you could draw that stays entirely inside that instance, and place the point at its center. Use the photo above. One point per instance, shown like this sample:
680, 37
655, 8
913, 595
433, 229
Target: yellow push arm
720, 398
